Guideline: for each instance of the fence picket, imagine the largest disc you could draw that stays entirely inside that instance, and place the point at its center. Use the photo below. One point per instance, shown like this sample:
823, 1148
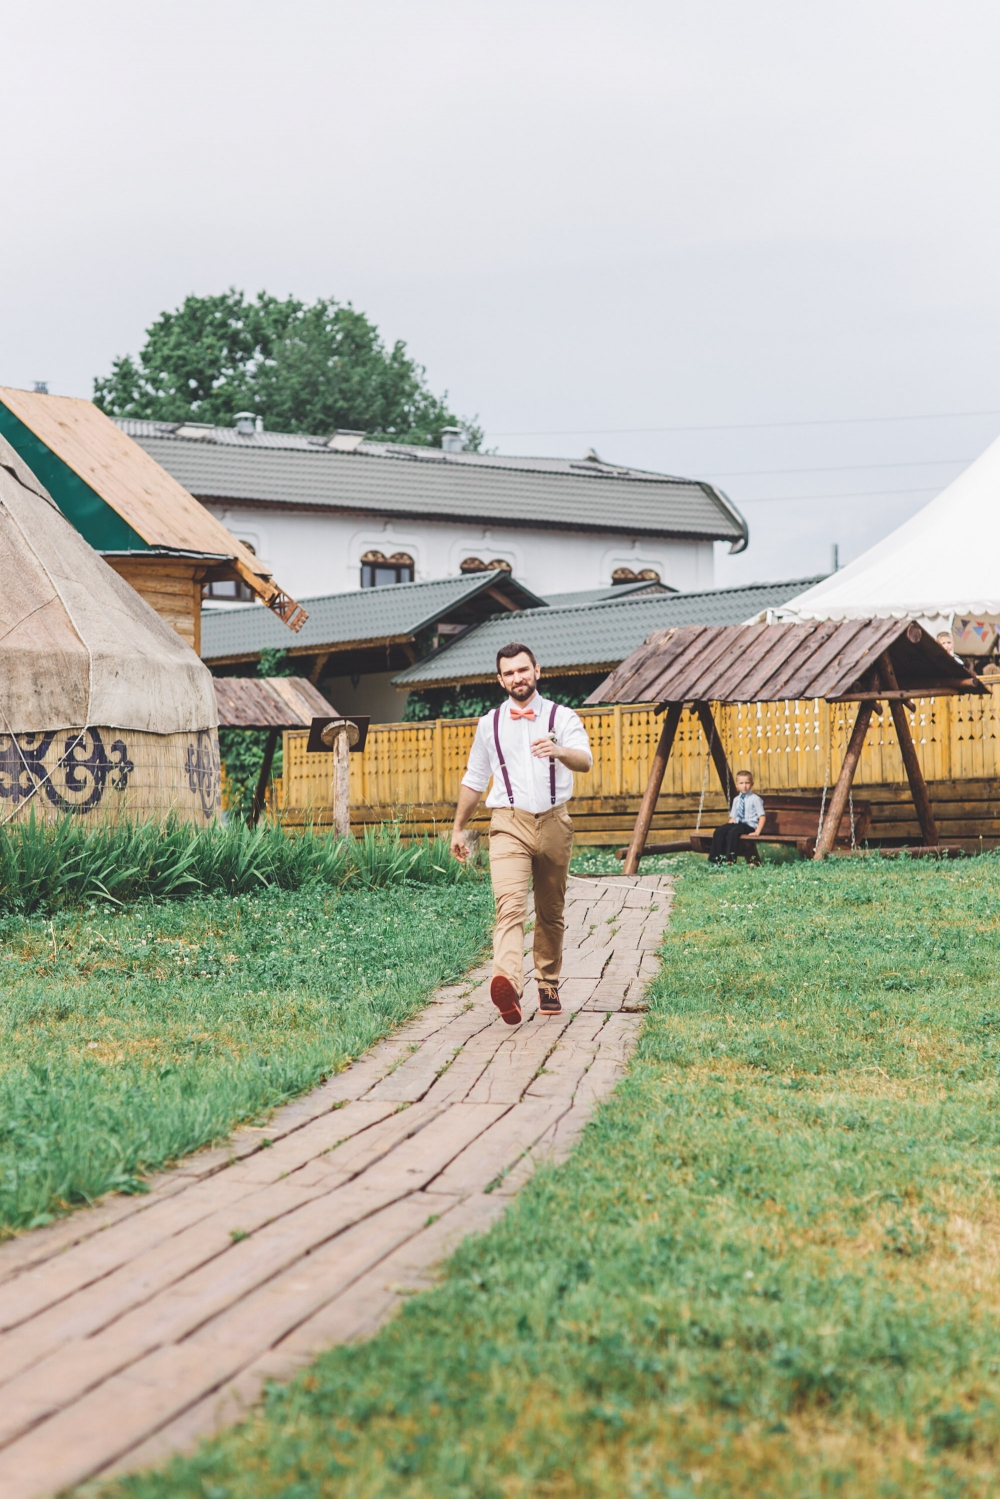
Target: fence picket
784, 744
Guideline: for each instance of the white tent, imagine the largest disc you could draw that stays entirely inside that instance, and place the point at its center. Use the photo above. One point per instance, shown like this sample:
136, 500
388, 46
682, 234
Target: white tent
941, 567
98, 694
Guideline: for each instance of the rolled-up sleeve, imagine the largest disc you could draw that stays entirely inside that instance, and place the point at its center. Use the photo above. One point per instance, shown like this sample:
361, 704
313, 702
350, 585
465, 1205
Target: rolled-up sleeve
479, 770
572, 735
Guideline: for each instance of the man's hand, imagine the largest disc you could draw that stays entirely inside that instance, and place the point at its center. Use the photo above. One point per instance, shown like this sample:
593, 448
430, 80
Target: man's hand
547, 749
468, 801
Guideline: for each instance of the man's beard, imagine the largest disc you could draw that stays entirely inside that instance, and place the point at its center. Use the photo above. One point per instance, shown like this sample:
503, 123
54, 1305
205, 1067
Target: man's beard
522, 694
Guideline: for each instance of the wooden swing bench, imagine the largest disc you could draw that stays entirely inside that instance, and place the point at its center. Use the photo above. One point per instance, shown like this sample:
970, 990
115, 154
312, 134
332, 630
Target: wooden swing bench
870, 662
787, 820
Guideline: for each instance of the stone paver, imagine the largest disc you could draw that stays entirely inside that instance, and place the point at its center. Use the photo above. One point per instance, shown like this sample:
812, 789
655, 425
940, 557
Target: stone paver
133, 1329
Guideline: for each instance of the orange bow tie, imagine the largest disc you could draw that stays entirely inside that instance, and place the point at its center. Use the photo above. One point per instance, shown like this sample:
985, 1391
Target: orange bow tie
521, 712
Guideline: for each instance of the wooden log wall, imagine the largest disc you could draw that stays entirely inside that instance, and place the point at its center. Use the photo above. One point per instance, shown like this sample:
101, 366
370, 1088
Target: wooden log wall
411, 772
169, 585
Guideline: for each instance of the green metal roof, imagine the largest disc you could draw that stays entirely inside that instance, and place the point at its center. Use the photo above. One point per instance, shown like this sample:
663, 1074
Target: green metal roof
590, 637
615, 592
280, 468
396, 611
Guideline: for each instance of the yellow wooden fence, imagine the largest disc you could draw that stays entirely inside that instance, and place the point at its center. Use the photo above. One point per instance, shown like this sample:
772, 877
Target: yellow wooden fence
790, 745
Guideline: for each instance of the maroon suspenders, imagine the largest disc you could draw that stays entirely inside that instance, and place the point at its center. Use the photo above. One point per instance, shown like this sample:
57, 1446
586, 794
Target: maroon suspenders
552, 763
503, 762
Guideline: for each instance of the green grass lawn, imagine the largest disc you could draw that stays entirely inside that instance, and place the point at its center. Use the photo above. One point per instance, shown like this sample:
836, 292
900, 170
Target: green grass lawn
770, 1268
129, 1036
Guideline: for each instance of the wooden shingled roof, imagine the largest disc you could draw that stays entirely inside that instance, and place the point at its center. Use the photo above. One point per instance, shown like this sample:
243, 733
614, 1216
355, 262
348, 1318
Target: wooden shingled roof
832, 659
133, 484
269, 702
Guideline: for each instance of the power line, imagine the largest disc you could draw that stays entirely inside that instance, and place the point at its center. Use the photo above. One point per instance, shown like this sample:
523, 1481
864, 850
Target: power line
839, 468
859, 494
833, 421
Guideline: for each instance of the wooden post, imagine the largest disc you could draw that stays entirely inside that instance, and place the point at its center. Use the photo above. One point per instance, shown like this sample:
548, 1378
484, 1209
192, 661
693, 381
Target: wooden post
619, 769
841, 791
257, 805
652, 792
438, 760
342, 785
918, 786
718, 749
908, 750
318, 666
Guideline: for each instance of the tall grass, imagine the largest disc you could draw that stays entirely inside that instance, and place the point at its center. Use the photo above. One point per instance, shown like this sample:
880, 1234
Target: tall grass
45, 866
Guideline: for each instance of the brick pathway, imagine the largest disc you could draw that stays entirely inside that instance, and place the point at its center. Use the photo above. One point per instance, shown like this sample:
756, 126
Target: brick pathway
132, 1329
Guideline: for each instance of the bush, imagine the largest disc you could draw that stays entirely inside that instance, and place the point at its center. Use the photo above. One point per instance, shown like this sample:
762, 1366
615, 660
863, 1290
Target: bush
44, 866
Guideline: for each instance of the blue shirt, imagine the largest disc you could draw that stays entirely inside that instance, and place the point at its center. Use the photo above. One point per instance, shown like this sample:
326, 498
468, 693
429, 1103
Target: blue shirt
748, 808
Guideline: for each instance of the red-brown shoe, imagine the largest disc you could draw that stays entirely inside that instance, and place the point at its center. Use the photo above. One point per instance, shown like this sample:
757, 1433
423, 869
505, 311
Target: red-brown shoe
549, 1002
506, 999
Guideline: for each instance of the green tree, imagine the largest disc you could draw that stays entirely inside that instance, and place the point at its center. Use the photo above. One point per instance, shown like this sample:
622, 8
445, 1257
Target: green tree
300, 367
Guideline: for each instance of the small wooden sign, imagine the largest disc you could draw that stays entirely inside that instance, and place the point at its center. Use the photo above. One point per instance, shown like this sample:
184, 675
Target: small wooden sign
316, 745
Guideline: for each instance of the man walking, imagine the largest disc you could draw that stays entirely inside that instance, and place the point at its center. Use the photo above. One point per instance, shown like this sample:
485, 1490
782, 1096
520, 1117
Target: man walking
530, 747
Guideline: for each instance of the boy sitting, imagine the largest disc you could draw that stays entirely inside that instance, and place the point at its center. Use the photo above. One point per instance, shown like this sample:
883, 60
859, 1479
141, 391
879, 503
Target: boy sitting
746, 819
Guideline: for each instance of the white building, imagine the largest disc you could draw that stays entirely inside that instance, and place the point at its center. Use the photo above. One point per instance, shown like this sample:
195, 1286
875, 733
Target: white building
327, 515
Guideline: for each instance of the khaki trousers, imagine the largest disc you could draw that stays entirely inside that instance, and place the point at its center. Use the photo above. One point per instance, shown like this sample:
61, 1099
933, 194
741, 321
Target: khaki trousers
525, 847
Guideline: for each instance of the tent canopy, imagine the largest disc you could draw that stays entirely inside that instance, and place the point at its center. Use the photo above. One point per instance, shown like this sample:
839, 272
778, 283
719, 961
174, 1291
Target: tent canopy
78, 646
944, 561
775, 663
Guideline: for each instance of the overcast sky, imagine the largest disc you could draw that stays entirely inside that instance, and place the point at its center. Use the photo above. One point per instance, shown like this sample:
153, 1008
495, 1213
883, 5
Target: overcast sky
753, 243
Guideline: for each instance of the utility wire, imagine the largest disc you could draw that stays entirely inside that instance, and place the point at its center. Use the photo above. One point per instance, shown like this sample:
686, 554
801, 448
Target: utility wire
858, 494
831, 421
837, 468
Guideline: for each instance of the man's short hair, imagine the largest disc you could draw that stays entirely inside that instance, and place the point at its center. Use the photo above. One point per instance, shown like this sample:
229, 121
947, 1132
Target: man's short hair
508, 652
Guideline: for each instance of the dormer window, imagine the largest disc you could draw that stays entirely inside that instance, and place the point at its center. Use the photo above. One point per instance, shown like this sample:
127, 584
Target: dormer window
477, 565
377, 569
644, 575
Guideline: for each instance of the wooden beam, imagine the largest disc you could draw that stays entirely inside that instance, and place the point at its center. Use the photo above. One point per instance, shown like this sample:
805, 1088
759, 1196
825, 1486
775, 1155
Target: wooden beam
915, 776
681, 846
257, 805
318, 666
902, 696
652, 792
718, 749
918, 786
501, 598
841, 791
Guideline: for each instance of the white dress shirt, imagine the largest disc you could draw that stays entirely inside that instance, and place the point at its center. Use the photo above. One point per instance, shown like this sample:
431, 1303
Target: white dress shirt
529, 776
747, 808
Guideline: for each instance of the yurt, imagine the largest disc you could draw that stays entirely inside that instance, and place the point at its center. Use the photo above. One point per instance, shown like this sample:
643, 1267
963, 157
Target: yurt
942, 567
105, 712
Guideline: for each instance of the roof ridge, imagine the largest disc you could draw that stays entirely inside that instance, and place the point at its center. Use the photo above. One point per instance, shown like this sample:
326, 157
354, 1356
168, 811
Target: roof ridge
646, 598
375, 447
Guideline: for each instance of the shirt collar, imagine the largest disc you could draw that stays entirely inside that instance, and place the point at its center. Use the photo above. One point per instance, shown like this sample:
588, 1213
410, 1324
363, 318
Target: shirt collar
533, 702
